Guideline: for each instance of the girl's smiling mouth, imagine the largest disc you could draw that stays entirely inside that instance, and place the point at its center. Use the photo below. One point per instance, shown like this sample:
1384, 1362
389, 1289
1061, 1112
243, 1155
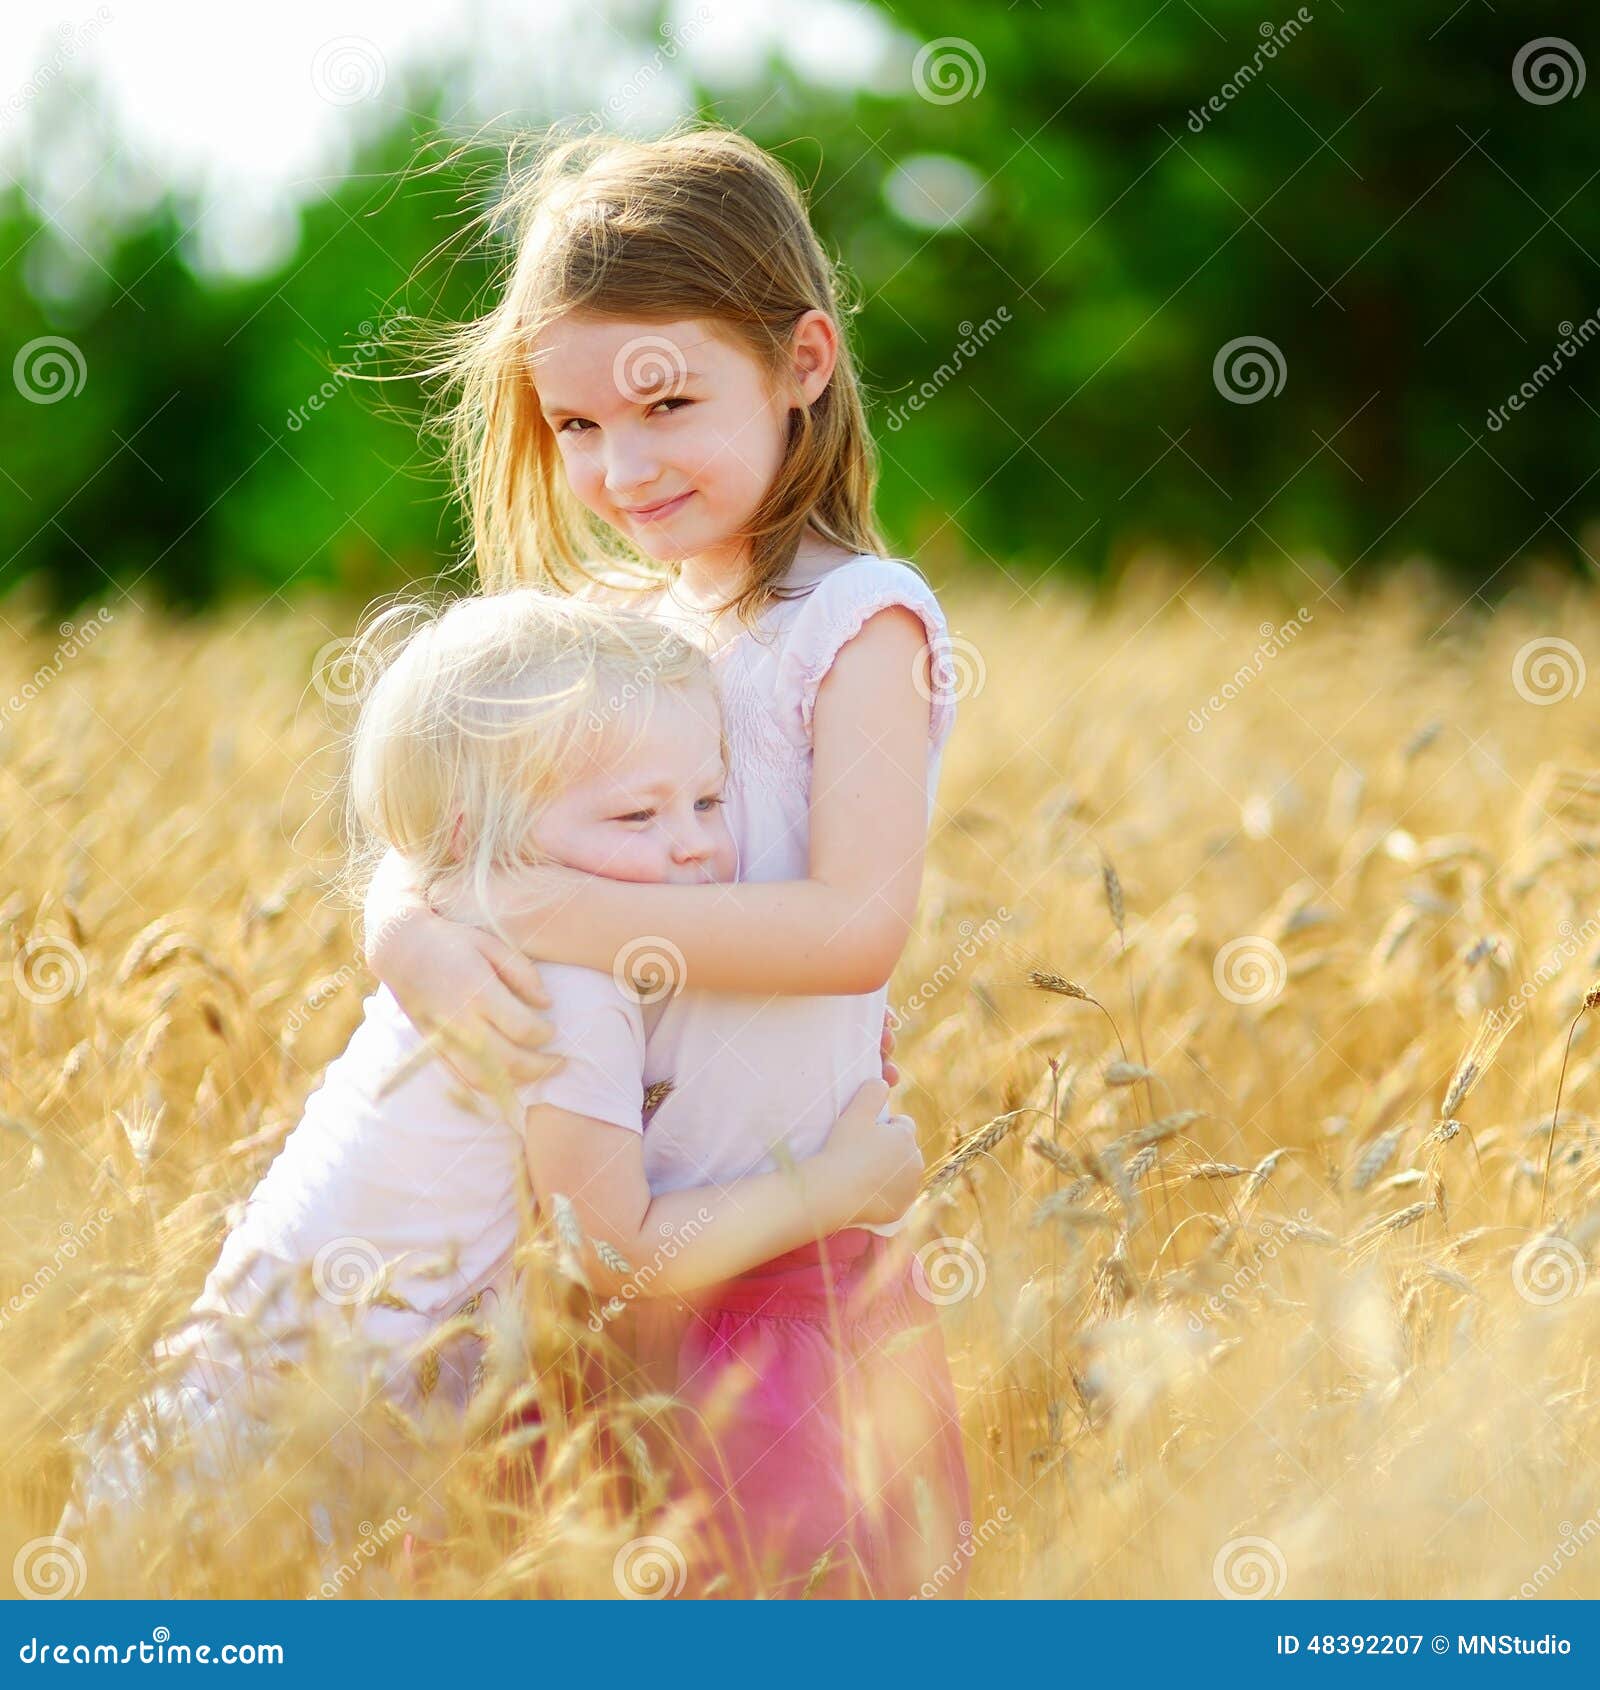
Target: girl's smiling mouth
651, 513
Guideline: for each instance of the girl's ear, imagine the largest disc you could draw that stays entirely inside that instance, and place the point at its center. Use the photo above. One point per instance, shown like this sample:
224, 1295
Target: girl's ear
815, 352
458, 839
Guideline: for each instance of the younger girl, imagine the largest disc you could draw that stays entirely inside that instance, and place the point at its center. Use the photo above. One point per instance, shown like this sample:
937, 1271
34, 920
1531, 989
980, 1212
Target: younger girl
664, 382
393, 1203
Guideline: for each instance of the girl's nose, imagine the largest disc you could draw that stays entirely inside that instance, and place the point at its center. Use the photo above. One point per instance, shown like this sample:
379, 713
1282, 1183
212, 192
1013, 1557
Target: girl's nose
629, 473
692, 843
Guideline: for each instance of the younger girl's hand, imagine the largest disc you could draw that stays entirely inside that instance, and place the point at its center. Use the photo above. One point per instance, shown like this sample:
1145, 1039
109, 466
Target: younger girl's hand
875, 1167
476, 996
891, 1074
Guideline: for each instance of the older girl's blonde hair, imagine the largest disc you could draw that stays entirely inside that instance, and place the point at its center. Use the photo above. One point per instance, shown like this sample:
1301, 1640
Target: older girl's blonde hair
483, 712
699, 223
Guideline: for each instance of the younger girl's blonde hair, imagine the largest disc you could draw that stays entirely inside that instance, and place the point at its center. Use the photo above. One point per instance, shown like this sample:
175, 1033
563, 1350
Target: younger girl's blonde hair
484, 712
700, 223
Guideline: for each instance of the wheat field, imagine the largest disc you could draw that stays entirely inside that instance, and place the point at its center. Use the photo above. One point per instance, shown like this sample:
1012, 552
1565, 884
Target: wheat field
1255, 932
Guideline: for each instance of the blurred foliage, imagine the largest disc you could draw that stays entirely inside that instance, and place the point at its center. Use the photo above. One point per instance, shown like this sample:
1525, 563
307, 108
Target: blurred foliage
1376, 200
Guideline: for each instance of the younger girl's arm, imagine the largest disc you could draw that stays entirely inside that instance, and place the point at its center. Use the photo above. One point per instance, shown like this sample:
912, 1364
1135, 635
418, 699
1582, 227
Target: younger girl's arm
477, 997
840, 930
866, 1172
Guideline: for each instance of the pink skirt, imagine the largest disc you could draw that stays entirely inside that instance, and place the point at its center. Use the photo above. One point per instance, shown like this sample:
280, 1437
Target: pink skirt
820, 1453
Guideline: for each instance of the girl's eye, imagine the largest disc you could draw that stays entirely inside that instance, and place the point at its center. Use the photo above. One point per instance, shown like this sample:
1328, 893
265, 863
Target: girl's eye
707, 803
635, 816
567, 428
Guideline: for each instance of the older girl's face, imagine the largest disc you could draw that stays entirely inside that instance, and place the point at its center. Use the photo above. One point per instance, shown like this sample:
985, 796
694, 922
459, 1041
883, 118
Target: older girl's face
646, 804
668, 431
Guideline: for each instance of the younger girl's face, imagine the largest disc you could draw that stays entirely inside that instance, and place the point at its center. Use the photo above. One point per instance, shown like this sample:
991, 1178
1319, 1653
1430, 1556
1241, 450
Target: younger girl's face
647, 802
667, 431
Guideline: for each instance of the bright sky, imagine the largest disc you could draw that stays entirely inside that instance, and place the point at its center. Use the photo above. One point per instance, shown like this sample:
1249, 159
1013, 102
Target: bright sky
251, 108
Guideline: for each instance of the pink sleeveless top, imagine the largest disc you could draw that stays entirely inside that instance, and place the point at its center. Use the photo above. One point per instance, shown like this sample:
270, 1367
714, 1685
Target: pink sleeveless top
750, 1069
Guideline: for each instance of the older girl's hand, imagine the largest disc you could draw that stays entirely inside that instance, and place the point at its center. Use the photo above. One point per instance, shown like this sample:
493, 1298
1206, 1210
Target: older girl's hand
478, 999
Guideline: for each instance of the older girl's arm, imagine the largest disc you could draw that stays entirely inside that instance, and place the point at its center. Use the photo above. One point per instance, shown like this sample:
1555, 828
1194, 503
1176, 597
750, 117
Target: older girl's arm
841, 929
867, 1171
